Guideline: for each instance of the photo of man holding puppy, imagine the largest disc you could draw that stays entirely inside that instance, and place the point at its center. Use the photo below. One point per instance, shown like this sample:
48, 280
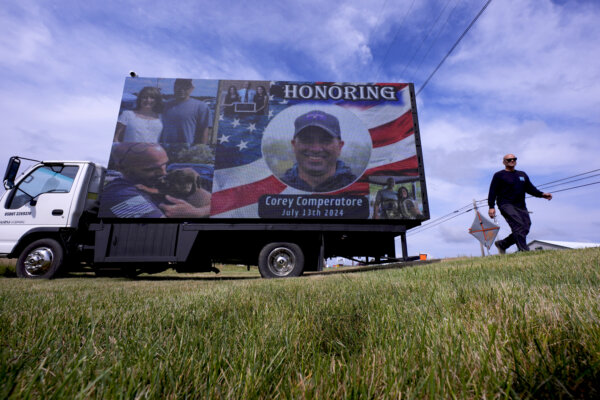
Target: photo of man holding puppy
144, 188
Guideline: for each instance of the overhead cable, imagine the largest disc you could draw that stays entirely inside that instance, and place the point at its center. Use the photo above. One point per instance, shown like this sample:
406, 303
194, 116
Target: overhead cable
454, 46
393, 40
450, 213
414, 232
564, 179
575, 187
432, 26
376, 23
435, 39
571, 181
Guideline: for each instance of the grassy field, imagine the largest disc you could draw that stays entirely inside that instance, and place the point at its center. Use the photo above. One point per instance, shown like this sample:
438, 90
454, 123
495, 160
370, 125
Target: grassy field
516, 326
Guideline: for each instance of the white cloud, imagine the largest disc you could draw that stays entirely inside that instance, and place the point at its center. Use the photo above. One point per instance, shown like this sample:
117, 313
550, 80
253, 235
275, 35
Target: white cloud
23, 43
531, 56
76, 127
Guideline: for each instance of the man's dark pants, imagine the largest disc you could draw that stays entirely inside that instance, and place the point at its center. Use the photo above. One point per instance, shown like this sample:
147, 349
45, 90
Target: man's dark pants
519, 222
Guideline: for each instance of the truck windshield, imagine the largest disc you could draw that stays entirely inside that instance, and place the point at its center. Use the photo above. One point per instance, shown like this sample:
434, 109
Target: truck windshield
45, 179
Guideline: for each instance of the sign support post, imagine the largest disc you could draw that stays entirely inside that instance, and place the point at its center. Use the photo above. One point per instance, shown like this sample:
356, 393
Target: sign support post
480, 243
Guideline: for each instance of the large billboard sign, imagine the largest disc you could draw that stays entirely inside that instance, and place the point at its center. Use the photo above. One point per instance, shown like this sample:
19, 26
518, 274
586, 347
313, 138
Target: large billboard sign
215, 149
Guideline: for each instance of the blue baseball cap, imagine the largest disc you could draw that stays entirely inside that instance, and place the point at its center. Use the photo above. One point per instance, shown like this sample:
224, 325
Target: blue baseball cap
319, 119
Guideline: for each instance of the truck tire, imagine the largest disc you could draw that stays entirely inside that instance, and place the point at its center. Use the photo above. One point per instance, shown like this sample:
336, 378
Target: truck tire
40, 260
281, 260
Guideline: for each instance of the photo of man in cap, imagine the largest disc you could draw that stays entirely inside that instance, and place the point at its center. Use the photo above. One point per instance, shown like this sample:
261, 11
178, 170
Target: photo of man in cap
317, 144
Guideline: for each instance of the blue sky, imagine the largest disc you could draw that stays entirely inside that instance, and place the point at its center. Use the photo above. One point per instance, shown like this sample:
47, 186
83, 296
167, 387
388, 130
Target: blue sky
525, 80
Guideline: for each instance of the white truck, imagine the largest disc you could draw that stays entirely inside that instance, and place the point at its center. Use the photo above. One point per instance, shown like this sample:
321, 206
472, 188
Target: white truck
62, 216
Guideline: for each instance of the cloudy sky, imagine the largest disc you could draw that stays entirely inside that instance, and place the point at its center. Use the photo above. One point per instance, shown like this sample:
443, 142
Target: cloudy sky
524, 80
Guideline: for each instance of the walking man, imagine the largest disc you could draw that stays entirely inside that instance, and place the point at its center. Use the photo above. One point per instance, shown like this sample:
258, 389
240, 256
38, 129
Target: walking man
508, 189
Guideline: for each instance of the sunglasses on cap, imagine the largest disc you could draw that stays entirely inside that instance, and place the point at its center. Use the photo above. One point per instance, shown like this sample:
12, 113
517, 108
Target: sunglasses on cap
510, 159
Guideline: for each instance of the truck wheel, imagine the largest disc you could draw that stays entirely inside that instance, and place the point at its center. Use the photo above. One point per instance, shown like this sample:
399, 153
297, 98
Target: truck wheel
40, 260
280, 260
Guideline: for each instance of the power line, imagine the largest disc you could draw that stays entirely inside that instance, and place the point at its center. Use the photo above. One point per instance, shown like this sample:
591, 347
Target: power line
430, 222
575, 187
441, 221
571, 181
393, 40
564, 179
444, 216
425, 38
435, 39
453, 47
376, 22
414, 232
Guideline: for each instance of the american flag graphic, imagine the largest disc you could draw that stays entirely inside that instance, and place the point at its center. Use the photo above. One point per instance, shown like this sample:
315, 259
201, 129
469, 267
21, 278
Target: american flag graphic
242, 175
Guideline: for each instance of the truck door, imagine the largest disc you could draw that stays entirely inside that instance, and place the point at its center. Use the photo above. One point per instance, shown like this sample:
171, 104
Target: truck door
43, 199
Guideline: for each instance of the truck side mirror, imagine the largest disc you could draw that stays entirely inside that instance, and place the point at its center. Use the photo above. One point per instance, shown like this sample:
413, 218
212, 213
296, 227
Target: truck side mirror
11, 172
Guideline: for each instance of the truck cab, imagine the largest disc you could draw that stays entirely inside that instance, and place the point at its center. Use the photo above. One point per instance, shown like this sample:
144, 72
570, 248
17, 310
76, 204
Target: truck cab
42, 208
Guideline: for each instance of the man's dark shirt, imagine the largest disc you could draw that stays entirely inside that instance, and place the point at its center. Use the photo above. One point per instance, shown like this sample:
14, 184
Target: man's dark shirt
343, 177
510, 188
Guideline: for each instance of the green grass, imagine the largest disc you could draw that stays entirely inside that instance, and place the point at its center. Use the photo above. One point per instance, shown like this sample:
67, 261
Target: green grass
517, 326
7, 267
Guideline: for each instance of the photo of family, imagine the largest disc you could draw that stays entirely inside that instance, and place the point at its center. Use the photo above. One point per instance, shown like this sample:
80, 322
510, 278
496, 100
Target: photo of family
393, 197
237, 98
166, 111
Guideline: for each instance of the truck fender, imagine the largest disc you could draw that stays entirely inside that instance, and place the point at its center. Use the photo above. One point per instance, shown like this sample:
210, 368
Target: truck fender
35, 234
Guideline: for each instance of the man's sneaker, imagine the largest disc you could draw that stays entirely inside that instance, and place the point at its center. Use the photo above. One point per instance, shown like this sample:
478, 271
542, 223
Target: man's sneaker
500, 249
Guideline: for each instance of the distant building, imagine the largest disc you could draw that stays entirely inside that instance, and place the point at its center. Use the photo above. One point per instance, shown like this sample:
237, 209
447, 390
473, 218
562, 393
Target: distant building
558, 245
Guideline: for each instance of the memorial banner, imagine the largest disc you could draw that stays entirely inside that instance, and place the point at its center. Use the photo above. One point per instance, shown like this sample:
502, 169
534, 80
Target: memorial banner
192, 148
